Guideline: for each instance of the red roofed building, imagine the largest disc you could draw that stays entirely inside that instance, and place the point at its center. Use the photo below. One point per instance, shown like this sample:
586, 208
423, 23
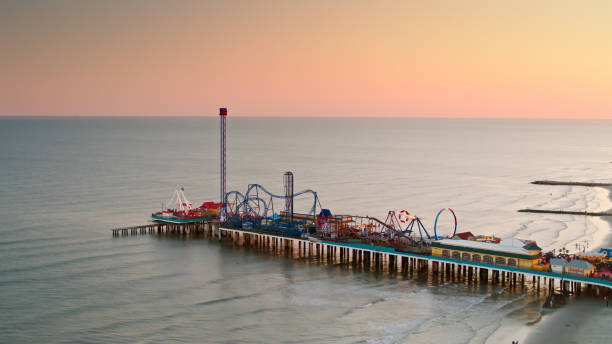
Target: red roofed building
464, 235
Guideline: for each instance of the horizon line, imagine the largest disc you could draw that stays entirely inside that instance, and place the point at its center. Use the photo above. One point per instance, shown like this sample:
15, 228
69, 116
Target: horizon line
303, 117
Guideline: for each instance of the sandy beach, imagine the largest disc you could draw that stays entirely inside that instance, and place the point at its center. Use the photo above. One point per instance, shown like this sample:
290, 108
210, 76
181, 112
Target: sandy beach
584, 319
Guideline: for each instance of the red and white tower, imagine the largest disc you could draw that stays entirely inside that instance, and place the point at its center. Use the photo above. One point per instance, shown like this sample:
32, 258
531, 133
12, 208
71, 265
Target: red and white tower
222, 117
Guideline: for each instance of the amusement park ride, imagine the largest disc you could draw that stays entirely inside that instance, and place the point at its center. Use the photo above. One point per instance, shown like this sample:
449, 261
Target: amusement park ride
256, 210
180, 210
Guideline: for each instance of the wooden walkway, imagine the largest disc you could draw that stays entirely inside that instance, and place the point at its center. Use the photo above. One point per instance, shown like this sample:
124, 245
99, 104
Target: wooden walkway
370, 257
163, 228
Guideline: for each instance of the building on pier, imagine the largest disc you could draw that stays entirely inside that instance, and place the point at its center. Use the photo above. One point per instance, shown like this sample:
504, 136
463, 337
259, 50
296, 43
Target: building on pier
576, 267
579, 267
508, 252
591, 257
557, 265
463, 236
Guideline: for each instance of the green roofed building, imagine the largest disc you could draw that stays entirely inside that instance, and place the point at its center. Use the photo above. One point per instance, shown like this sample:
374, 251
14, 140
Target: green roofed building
509, 252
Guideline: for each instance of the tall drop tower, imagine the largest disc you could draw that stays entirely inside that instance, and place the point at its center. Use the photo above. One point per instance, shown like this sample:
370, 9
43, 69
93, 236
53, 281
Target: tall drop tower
222, 117
288, 181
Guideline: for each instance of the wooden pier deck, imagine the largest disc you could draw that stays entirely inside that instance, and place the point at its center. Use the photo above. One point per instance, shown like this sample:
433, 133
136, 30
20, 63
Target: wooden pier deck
162, 228
377, 257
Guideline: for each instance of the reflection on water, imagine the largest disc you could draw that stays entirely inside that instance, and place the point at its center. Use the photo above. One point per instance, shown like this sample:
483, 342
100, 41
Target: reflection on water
66, 182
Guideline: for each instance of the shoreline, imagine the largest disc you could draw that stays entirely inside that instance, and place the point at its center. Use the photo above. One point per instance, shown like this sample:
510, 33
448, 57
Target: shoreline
584, 319
607, 241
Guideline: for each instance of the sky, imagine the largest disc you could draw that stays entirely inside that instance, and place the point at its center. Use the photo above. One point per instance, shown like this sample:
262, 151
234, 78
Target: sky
419, 58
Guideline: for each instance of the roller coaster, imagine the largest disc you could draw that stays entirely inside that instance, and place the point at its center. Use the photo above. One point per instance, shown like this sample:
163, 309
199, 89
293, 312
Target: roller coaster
256, 208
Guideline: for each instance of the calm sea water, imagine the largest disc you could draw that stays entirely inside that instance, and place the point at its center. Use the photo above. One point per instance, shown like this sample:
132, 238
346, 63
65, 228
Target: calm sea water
65, 182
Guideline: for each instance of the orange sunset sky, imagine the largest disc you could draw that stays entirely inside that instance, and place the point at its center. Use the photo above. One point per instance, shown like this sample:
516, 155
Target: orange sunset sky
462, 58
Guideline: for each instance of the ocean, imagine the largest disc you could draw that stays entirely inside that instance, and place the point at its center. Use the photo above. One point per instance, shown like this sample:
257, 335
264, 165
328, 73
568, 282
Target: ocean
65, 182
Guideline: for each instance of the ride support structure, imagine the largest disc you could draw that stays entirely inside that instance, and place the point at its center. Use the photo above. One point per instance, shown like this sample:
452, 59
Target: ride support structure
256, 207
402, 224
222, 167
436, 236
179, 202
288, 179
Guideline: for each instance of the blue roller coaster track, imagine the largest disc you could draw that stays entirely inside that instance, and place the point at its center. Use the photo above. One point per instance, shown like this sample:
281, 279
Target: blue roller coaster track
256, 208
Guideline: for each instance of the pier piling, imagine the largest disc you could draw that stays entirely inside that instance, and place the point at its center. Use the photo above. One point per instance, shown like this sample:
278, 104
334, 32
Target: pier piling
374, 259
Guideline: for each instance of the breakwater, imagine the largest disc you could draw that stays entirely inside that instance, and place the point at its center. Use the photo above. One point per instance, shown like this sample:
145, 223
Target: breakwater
552, 182
565, 212
568, 212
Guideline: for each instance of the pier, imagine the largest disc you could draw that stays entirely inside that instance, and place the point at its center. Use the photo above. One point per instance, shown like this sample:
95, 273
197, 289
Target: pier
163, 228
249, 219
379, 258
